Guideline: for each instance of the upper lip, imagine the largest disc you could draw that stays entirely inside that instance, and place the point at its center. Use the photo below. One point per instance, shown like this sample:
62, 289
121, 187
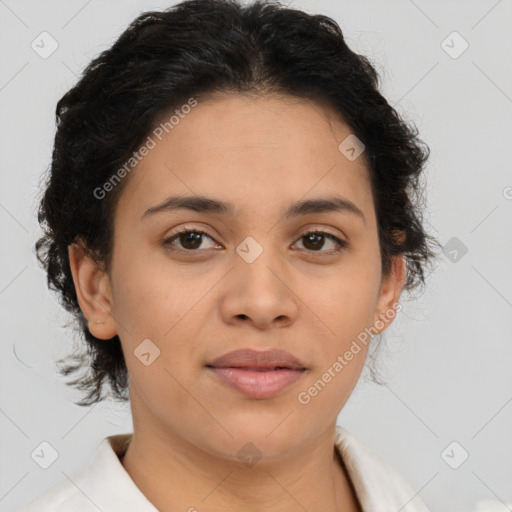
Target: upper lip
248, 358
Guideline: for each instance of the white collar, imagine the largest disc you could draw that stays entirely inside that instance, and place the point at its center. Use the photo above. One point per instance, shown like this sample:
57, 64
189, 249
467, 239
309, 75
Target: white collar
378, 485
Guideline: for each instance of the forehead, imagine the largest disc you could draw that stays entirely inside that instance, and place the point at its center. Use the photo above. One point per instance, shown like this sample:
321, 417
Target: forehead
251, 151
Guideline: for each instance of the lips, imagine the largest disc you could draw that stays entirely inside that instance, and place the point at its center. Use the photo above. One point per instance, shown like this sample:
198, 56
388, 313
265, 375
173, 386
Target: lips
258, 360
258, 374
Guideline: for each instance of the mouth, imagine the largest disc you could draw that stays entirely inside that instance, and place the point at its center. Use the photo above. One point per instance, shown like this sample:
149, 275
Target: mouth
256, 368
258, 374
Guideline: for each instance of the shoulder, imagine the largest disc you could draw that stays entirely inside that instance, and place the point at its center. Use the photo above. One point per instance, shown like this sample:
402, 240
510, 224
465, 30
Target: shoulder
74, 492
375, 480
61, 497
102, 484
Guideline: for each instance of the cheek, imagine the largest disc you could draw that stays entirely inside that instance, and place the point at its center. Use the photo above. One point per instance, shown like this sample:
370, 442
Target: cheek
349, 300
347, 313
156, 322
346, 310
148, 299
340, 352
157, 314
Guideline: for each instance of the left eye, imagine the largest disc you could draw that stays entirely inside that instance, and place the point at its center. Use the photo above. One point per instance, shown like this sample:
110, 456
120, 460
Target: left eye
316, 238
191, 239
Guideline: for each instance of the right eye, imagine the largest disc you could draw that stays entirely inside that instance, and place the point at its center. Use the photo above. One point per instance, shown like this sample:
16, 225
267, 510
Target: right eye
189, 239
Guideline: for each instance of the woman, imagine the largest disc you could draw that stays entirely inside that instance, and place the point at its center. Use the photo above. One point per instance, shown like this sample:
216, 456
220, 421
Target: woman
231, 216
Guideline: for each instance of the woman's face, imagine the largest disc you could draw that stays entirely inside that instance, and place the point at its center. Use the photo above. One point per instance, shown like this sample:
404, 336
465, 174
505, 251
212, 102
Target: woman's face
254, 281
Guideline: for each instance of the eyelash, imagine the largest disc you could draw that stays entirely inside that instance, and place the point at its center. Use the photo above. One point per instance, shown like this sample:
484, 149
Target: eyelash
340, 243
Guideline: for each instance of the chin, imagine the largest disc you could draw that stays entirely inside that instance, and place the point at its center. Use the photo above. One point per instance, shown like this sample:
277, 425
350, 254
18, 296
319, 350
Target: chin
255, 438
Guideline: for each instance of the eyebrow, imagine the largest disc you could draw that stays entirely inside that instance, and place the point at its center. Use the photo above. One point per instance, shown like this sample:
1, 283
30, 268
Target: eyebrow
203, 204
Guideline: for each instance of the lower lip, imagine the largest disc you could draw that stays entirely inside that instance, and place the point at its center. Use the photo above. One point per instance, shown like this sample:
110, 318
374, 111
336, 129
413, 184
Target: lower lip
264, 384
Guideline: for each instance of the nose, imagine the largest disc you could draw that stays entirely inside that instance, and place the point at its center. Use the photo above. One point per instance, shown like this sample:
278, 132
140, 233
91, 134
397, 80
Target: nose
259, 293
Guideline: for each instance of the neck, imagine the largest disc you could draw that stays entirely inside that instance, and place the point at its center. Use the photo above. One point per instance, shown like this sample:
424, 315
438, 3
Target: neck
176, 475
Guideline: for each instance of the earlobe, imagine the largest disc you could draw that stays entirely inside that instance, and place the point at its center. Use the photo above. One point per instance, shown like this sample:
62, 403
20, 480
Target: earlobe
92, 286
390, 292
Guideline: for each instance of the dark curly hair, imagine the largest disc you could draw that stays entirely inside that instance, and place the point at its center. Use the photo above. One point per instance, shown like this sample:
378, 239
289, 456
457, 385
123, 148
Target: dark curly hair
195, 49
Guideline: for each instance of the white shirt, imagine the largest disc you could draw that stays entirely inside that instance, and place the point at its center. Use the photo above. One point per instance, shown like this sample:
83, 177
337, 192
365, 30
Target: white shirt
104, 485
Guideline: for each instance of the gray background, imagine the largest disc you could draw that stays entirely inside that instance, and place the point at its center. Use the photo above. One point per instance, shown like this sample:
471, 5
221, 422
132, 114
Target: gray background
448, 355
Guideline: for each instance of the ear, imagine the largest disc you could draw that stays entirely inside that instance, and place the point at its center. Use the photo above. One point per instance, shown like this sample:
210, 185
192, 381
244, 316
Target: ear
389, 295
92, 285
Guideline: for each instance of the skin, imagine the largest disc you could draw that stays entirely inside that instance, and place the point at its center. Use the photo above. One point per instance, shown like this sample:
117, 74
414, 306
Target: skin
261, 154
